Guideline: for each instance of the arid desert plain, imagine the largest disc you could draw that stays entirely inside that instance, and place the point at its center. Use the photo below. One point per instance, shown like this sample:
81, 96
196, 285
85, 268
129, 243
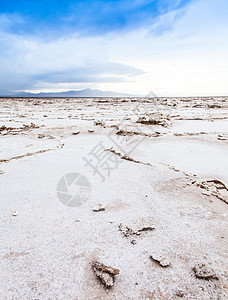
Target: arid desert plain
114, 198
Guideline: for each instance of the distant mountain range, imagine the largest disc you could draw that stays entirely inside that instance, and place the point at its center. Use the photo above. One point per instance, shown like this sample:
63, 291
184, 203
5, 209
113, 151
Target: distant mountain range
80, 93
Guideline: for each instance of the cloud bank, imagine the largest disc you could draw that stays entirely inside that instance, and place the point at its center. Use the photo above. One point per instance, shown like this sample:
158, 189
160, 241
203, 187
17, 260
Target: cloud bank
131, 47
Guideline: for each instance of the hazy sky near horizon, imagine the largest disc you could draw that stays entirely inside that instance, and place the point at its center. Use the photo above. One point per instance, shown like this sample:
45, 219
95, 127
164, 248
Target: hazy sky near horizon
172, 48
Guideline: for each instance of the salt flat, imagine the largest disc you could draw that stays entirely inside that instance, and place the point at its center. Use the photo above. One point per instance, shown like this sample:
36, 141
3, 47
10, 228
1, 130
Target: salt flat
157, 160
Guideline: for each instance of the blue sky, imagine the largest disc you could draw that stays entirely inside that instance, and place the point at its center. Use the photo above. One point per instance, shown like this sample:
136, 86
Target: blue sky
168, 47
88, 17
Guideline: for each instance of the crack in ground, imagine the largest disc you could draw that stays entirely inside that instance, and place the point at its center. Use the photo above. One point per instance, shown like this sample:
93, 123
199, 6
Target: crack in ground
60, 146
130, 133
25, 155
125, 157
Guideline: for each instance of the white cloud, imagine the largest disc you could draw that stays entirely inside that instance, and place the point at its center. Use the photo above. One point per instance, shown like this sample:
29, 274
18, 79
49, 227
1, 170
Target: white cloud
187, 57
190, 59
